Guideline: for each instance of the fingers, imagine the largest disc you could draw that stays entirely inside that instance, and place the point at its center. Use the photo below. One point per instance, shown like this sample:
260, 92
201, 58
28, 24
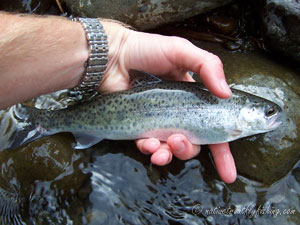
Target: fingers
162, 55
163, 156
179, 146
148, 146
212, 75
224, 162
182, 148
162, 153
186, 55
165, 56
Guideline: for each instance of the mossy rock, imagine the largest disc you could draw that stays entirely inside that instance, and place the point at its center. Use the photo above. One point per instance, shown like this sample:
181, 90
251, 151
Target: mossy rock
143, 14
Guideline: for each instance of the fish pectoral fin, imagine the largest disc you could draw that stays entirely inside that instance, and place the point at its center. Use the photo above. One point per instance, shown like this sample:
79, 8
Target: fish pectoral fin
139, 78
84, 140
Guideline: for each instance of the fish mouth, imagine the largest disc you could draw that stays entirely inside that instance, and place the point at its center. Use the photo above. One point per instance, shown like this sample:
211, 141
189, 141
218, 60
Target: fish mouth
274, 123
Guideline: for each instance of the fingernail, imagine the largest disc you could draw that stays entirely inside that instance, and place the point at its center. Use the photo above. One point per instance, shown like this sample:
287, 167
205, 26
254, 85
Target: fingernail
153, 144
164, 156
180, 146
225, 88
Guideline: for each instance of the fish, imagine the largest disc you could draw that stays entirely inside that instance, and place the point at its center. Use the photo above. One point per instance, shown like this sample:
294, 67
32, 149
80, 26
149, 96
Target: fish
11, 205
157, 109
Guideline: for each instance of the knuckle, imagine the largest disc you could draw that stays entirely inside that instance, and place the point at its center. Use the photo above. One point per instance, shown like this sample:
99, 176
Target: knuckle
213, 58
178, 41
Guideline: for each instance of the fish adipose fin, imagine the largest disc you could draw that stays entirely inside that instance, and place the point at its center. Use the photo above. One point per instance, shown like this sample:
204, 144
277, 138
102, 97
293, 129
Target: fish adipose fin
84, 141
139, 78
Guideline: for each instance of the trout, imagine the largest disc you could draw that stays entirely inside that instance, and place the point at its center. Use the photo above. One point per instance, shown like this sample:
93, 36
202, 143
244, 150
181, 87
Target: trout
155, 109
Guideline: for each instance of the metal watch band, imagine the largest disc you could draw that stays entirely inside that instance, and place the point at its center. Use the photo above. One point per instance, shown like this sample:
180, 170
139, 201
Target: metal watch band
97, 61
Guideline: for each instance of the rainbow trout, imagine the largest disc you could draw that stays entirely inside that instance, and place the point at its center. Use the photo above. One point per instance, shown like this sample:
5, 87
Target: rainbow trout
155, 109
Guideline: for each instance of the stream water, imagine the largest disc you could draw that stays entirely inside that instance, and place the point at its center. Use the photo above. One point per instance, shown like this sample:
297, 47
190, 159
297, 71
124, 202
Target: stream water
112, 183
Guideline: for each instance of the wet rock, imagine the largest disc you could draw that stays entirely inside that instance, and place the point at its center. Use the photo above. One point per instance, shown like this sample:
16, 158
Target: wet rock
143, 14
50, 159
26, 6
270, 156
224, 25
40, 180
280, 26
231, 46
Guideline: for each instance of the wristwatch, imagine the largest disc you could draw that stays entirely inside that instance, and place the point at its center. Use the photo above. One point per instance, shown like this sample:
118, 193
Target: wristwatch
98, 57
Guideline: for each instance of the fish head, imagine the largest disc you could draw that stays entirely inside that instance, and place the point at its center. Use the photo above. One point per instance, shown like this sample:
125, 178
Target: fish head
259, 116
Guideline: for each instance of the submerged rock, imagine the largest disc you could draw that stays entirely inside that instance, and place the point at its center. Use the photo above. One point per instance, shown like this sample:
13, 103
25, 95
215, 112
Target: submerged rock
143, 14
26, 6
280, 26
271, 156
38, 180
47, 159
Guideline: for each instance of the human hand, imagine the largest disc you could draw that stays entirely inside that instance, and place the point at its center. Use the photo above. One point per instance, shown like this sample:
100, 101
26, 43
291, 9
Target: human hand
170, 58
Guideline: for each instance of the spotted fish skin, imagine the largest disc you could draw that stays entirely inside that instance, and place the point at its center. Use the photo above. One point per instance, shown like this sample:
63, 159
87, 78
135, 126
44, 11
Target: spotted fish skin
156, 110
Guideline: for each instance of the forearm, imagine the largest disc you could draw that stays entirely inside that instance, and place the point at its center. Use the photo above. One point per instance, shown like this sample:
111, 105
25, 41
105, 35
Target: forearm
39, 55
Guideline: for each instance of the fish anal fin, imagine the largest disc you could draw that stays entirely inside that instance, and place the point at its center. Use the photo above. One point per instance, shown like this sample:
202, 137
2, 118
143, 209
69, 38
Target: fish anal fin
84, 140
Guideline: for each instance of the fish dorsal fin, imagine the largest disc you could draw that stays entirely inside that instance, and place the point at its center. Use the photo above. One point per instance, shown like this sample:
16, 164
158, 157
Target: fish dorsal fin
84, 141
139, 78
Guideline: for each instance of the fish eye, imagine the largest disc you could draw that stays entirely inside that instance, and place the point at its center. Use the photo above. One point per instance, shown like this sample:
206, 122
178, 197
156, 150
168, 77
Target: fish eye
270, 111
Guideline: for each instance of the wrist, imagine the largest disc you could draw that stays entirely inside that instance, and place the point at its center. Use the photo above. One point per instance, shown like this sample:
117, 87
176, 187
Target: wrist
80, 56
116, 70
96, 63
116, 35
102, 65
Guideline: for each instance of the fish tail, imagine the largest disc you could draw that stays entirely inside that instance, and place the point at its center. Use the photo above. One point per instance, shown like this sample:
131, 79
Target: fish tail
24, 127
10, 208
